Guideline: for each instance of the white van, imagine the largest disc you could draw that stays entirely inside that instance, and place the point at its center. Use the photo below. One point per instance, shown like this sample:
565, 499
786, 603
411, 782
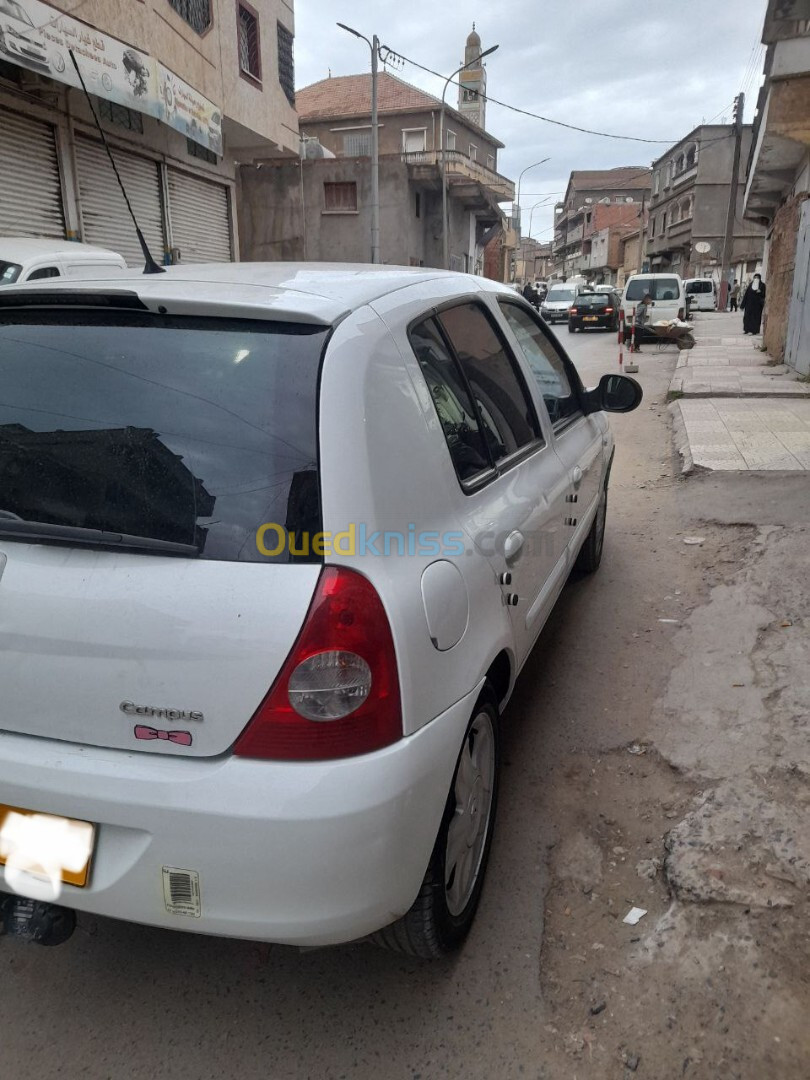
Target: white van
667, 293
558, 300
26, 258
703, 292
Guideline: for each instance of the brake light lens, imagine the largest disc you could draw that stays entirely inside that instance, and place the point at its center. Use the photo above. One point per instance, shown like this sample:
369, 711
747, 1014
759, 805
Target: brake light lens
608, 310
573, 311
337, 694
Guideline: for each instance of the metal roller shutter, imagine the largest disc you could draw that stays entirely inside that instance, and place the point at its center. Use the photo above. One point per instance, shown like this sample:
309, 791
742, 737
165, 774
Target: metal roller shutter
30, 191
105, 216
201, 226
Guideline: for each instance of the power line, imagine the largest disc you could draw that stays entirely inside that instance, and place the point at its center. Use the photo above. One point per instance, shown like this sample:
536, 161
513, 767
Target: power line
525, 112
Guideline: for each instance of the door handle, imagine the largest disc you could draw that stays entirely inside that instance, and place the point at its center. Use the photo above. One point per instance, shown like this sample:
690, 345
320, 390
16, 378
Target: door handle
576, 476
512, 545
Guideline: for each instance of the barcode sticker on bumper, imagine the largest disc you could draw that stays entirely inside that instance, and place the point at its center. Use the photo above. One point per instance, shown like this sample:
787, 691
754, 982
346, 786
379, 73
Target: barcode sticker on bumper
181, 892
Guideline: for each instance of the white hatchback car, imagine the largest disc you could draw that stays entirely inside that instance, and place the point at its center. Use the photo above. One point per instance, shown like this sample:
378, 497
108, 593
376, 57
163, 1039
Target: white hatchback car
275, 542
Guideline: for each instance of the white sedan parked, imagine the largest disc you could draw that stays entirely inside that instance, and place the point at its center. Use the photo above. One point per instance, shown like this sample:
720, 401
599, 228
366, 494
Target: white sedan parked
275, 542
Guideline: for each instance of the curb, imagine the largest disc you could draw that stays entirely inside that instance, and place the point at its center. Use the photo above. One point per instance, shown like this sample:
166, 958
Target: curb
681, 438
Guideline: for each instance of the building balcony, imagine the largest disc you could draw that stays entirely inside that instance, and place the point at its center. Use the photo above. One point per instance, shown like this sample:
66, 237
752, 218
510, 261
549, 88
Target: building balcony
680, 229
684, 177
574, 235
465, 177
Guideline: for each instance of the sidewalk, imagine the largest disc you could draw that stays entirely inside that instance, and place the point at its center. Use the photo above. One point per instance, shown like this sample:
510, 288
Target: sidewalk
735, 411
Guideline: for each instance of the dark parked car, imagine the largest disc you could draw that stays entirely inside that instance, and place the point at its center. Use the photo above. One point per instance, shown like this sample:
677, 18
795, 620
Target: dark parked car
594, 309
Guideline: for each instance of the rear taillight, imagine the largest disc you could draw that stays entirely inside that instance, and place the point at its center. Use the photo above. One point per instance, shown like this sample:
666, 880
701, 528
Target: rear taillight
608, 311
573, 311
338, 692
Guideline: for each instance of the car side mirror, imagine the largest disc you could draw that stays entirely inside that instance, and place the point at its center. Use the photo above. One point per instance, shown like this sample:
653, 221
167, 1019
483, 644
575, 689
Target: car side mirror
615, 393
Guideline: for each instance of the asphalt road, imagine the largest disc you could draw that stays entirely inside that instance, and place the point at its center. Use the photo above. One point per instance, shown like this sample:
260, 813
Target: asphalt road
123, 1001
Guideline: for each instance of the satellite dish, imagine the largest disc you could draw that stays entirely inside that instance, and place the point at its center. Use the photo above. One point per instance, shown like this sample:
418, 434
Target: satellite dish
702, 248
629, 198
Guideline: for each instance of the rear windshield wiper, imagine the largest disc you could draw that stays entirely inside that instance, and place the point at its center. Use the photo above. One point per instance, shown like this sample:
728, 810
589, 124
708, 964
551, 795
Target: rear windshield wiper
17, 529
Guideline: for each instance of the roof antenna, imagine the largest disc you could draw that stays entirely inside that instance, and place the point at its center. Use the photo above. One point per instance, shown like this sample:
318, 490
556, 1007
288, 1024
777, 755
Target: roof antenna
151, 267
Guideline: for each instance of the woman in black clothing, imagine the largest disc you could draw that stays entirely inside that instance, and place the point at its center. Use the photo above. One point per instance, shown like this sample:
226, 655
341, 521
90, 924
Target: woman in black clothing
752, 304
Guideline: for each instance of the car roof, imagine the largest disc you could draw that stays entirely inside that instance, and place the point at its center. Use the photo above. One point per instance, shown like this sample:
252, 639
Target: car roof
310, 292
19, 248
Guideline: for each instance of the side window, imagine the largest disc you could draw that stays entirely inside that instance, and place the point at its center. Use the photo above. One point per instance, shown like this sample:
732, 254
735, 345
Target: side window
452, 400
43, 272
548, 366
506, 411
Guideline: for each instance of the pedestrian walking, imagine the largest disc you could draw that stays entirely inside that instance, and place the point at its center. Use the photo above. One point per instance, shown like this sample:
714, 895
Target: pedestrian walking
528, 293
642, 317
753, 302
734, 295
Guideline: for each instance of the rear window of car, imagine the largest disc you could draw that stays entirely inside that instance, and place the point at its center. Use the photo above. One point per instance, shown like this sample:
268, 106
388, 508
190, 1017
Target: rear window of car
560, 295
9, 272
699, 287
597, 300
181, 431
659, 288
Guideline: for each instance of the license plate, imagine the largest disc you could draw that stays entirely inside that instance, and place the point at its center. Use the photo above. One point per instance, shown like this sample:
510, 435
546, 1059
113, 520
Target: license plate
45, 844
590, 318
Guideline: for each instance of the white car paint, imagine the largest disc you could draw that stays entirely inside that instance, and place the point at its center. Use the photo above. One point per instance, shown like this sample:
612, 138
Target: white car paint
50, 259
300, 852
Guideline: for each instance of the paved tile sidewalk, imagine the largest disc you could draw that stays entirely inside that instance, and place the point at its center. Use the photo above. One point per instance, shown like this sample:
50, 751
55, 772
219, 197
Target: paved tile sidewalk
735, 434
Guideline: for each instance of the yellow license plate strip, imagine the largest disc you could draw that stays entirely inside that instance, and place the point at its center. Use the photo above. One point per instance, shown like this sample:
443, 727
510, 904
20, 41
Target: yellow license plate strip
71, 875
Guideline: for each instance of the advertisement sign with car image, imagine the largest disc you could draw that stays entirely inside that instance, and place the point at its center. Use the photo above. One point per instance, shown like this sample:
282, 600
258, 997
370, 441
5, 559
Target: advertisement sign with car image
35, 36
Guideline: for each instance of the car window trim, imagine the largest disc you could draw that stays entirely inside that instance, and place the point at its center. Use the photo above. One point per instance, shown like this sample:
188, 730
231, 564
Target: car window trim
487, 476
568, 366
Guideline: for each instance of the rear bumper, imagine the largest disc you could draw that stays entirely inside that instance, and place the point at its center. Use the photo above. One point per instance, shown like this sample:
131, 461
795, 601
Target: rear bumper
296, 853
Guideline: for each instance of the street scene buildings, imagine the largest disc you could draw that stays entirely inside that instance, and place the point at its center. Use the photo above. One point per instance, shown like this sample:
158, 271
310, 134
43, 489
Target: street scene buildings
396, 683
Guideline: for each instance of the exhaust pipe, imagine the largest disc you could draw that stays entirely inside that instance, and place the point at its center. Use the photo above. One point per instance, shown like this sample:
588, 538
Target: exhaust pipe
35, 920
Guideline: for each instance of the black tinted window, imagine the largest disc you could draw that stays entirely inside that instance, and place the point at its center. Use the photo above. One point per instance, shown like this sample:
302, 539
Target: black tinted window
43, 272
547, 365
504, 407
192, 431
452, 400
594, 300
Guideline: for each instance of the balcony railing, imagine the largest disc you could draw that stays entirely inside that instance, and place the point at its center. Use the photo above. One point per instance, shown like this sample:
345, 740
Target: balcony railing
460, 167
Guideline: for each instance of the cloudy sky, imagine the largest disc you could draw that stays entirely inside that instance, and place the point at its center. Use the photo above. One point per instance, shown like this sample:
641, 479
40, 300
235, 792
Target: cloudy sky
652, 69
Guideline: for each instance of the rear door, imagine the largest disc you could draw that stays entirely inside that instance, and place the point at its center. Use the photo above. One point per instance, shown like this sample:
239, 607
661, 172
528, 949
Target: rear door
153, 470
512, 500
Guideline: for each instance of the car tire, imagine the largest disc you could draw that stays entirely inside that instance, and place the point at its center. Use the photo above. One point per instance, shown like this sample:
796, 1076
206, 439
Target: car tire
440, 918
590, 554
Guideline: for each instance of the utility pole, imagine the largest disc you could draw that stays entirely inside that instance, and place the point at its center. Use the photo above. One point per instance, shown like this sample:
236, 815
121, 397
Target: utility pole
374, 45
728, 242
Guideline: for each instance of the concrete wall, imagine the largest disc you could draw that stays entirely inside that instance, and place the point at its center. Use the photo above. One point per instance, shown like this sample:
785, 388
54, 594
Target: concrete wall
207, 61
781, 267
273, 226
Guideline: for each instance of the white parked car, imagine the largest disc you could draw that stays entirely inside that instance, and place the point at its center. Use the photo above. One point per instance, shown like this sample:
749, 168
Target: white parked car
275, 542
27, 258
558, 301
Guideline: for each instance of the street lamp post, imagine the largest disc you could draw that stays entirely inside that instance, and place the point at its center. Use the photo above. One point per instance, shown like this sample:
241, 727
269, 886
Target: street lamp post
374, 45
534, 166
445, 239
543, 202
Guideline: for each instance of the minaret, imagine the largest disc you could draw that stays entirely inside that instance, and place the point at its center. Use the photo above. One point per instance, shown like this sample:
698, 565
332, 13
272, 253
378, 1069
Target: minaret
473, 82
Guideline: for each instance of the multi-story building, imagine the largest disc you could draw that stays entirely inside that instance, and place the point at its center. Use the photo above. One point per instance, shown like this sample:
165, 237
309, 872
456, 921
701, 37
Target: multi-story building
183, 89
533, 260
575, 219
777, 191
321, 208
689, 206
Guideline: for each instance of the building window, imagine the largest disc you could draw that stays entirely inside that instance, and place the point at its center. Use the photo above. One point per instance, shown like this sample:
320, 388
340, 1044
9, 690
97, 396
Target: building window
450, 139
201, 152
491, 162
691, 157
656, 182
664, 223
473, 152
340, 198
286, 64
417, 204
120, 115
197, 13
247, 28
652, 227
679, 165
357, 144
414, 140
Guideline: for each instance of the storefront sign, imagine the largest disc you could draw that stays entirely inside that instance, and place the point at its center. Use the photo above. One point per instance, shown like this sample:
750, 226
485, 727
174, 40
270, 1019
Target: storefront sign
39, 38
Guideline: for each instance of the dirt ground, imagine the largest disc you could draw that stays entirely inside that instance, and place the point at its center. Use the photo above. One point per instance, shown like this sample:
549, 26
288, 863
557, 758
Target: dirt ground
656, 756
